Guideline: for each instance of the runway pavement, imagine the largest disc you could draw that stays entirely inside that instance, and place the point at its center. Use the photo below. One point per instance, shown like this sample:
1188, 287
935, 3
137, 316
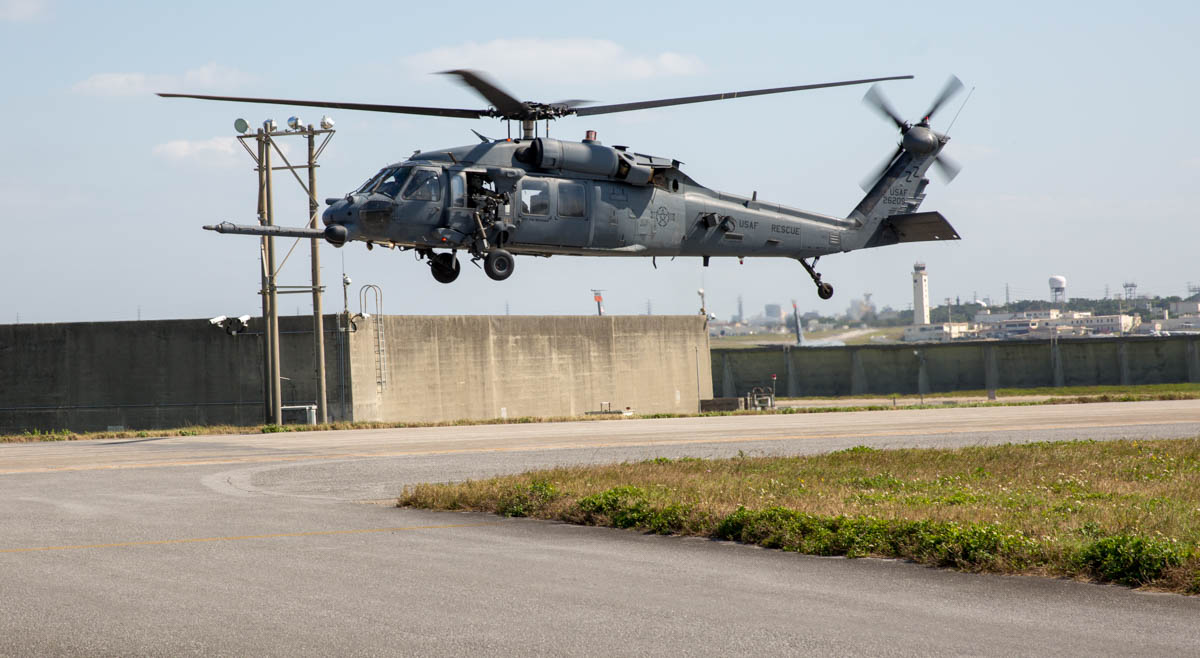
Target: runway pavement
263, 544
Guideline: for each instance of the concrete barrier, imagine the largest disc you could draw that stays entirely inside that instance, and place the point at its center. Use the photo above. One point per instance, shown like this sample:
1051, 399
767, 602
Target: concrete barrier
931, 368
172, 373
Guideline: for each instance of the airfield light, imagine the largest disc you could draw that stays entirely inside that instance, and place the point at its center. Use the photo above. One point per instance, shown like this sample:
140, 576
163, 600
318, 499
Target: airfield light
326, 123
242, 126
295, 123
270, 126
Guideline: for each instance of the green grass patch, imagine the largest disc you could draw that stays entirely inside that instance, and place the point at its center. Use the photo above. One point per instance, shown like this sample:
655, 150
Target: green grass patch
1149, 391
1125, 512
1120, 394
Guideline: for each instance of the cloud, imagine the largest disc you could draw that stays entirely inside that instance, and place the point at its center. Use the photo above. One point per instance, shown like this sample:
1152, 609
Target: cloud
206, 78
19, 11
217, 151
592, 59
212, 152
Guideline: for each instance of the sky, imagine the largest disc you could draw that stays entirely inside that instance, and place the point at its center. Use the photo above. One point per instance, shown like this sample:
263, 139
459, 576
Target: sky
1079, 144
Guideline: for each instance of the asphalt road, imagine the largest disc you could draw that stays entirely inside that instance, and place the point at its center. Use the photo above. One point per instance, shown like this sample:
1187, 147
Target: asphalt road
268, 544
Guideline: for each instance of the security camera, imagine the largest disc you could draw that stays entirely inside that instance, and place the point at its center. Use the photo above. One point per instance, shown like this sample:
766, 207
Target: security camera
216, 322
234, 326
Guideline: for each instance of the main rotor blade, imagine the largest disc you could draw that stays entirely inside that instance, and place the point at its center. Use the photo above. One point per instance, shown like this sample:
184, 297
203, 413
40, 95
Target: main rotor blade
953, 85
368, 107
877, 100
500, 99
642, 105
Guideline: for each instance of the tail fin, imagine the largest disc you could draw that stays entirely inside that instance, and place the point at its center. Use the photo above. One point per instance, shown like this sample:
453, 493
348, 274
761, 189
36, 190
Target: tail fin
888, 213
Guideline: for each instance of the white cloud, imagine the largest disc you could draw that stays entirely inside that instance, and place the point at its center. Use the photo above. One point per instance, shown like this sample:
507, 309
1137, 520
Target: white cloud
22, 10
592, 59
217, 151
206, 78
212, 152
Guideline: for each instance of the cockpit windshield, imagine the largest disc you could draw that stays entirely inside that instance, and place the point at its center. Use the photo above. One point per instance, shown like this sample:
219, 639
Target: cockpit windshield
389, 181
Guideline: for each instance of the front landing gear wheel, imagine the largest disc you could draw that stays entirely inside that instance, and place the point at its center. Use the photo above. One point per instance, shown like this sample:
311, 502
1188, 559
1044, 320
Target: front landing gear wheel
444, 267
498, 264
824, 291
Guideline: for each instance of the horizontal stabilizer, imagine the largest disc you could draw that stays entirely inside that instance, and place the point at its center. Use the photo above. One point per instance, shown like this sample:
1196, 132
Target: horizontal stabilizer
277, 231
922, 227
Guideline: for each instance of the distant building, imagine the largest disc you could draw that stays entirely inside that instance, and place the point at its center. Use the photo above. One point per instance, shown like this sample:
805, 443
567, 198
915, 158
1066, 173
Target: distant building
773, 313
940, 332
920, 294
1006, 325
1189, 306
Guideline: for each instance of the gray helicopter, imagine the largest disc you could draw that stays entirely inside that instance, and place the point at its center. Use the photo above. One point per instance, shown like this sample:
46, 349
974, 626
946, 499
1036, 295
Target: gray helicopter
539, 196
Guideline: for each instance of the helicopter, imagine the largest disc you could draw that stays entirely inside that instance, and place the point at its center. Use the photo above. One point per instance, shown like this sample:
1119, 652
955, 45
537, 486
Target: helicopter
539, 196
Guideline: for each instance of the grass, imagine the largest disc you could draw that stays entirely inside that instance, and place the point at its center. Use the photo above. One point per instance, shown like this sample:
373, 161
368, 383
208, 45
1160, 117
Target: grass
1147, 390
1066, 395
1125, 512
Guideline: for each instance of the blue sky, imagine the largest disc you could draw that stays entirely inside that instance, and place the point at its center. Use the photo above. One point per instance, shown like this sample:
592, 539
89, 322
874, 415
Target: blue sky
1079, 145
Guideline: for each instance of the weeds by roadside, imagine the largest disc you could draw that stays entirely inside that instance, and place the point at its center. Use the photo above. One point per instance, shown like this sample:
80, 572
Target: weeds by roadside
1126, 512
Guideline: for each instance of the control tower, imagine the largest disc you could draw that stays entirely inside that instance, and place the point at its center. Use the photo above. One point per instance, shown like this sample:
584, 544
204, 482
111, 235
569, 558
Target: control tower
920, 294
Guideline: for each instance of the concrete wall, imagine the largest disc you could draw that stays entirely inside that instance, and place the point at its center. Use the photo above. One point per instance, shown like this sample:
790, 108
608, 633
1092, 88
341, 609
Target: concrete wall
447, 368
887, 369
161, 373
172, 373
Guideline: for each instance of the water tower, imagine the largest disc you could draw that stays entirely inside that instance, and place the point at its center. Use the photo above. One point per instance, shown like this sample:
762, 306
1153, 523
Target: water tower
1058, 289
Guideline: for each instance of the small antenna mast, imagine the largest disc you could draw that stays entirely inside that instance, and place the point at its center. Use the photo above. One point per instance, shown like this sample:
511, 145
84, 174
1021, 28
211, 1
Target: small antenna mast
960, 109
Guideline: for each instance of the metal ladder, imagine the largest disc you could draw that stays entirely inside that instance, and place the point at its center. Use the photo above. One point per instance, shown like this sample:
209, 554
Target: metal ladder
381, 368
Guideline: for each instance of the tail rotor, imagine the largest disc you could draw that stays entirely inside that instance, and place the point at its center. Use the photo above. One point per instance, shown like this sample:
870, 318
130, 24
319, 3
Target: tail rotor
917, 138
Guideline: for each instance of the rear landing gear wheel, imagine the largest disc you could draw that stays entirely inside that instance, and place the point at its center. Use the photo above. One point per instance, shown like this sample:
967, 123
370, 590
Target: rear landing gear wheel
444, 267
824, 290
498, 264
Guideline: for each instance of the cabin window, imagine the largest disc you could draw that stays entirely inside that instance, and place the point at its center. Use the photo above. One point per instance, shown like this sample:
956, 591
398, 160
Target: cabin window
457, 190
424, 185
572, 201
535, 197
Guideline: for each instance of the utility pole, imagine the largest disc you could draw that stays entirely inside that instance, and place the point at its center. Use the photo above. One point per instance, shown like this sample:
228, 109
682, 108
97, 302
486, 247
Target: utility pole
270, 288
318, 312
1007, 301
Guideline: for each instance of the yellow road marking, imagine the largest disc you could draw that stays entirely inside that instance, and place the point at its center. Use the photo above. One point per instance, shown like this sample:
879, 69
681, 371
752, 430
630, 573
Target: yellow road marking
277, 535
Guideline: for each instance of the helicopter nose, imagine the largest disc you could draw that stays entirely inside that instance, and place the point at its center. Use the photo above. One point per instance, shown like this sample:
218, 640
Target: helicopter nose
339, 219
340, 211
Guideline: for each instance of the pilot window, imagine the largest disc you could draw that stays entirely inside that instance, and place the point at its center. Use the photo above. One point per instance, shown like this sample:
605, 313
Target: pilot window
457, 192
424, 185
535, 197
392, 180
571, 200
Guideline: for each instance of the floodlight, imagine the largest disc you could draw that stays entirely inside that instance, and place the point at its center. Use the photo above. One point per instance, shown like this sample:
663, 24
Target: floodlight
241, 126
270, 126
295, 123
326, 123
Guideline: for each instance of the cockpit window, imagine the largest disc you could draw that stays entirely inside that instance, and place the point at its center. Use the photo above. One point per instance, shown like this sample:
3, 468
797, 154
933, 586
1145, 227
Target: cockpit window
425, 185
393, 181
388, 181
366, 187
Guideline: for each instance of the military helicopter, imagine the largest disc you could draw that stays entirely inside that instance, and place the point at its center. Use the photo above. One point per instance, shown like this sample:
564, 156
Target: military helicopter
538, 196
